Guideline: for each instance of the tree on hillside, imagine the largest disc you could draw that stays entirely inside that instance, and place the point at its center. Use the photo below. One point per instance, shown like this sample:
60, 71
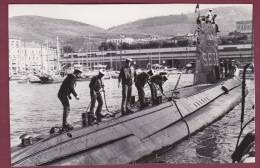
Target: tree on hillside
103, 46
68, 48
183, 43
234, 33
111, 46
107, 46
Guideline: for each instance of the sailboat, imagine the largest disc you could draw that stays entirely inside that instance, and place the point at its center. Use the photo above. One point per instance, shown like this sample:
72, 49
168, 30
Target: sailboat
134, 138
50, 76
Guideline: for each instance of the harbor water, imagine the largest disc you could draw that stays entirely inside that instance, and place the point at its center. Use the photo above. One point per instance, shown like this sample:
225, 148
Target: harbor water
35, 108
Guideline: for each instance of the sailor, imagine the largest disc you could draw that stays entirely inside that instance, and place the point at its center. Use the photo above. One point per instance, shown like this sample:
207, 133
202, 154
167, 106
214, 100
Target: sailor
156, 80
230, 68
140, 81
66, 88
221, 65
126, 75
96, 86
226, 67
209, 16
233, 68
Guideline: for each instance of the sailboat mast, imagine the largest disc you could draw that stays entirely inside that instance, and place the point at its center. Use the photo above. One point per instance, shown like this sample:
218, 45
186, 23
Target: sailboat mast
25, 55
48, 59
41, 58
159, 55
58, 55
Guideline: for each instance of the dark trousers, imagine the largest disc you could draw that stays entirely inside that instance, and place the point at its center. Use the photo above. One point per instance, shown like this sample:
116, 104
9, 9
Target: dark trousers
126, 97
66, 107
153, 92
225, 68
96, 96
141, 93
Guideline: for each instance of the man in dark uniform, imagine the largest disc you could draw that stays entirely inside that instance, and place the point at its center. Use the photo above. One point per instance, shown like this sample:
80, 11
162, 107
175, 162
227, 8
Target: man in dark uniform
221, 65
66, 88
126, 76
233, 68
226, 67
230, 68
140, 81
96, 86
156, 80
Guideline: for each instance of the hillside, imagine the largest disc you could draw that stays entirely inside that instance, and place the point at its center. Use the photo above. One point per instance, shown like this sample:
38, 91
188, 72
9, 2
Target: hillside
161, 25
182, 24
39, 29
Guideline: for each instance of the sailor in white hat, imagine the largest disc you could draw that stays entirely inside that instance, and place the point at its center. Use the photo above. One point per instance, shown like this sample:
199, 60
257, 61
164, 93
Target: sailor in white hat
128, 59
66, 88
209, 16
96, 86
126, 76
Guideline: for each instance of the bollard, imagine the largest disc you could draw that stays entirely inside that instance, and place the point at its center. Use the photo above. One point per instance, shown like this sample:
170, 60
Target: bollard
90, 119
132, 100
158, 100
84, 119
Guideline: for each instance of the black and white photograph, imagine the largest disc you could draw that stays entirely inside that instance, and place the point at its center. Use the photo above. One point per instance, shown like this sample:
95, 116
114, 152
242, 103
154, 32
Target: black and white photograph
112, 84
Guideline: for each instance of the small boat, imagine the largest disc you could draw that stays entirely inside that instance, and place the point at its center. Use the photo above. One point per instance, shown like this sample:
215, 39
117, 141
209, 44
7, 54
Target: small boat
49, 79
17, 77
114, 74
30, 79
84, 78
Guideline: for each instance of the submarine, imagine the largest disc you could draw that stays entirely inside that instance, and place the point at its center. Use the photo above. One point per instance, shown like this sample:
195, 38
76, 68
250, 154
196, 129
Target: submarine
136, 137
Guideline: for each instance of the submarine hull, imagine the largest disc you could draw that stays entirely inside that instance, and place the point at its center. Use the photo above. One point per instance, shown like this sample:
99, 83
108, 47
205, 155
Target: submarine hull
133, 138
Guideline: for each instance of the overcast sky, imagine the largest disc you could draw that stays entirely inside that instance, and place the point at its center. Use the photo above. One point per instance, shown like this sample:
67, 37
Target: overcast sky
106, 16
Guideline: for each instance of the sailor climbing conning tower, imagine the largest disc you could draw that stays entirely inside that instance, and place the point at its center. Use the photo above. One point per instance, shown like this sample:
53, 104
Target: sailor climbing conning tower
207, 55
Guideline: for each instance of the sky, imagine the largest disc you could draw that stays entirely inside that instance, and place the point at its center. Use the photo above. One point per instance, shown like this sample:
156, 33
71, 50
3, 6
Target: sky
106, 15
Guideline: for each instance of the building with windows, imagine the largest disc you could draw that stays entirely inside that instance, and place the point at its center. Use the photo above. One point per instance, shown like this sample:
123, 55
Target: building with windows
120, 39
25, 57
245, 27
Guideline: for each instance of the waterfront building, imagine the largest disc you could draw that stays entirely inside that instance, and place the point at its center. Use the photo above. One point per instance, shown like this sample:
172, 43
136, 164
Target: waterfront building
31, 57
120, 39
189, 36
146, 39
245, 27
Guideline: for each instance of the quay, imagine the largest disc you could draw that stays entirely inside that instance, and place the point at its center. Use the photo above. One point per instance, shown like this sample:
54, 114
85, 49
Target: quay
176, 57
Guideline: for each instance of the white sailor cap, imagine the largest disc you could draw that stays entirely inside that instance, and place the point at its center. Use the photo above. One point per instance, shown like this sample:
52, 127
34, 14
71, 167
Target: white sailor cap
128, 60
210, 9
102, 71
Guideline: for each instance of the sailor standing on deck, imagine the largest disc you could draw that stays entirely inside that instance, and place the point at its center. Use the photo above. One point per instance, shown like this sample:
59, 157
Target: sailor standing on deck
226, 67
221, 65
126, 76
140, 81
156, 80
96, 85
66, 88
209, 16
